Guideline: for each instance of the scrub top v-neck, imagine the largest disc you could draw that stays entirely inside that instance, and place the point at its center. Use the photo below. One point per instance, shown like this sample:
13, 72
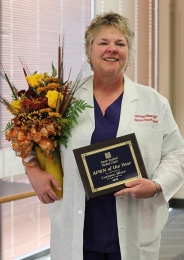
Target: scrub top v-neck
100, 225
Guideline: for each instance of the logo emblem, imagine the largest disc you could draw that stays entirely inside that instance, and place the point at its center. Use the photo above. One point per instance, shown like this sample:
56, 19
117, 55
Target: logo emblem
108, 155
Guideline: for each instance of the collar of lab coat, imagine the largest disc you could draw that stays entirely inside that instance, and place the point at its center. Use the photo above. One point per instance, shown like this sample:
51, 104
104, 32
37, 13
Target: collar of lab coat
128, 107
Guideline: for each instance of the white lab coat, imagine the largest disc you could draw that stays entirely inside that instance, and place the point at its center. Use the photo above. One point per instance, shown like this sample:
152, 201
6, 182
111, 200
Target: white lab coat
140, 221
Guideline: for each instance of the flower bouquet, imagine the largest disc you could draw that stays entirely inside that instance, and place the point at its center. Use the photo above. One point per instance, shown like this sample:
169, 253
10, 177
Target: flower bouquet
42, 117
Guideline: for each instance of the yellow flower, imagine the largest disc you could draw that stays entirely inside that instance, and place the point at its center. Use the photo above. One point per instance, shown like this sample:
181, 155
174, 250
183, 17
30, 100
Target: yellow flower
54, 114
52, 96
34, 80
16, 104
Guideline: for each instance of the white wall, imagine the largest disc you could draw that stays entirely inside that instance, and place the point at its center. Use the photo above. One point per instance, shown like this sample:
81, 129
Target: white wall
10, 164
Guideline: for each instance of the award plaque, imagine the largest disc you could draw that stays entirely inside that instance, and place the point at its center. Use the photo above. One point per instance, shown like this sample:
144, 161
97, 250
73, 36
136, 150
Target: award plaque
106, 166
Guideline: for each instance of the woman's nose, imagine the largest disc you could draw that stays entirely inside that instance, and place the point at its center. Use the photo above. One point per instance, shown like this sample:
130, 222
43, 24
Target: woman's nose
111, 48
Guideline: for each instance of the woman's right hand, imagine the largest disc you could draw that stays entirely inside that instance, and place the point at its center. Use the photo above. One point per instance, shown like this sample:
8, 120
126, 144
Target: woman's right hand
41, 183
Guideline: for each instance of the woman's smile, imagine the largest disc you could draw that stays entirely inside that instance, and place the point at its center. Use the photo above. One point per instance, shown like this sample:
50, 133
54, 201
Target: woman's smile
111, 59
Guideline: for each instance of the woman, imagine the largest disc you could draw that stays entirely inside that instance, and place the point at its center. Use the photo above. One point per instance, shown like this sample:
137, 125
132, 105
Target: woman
125, 225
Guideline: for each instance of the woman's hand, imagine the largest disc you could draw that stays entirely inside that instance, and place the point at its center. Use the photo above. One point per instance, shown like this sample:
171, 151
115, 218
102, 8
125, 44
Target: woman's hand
41, 183
139, 189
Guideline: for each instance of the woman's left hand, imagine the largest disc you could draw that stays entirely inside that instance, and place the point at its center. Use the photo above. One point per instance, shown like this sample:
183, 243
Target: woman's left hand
139, 189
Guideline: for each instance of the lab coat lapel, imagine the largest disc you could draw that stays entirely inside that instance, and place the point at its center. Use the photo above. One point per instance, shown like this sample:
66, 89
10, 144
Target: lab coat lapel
129, 104
128, 107
87, 95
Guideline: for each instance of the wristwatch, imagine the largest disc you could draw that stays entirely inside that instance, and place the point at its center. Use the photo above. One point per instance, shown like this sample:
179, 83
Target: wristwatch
158, 189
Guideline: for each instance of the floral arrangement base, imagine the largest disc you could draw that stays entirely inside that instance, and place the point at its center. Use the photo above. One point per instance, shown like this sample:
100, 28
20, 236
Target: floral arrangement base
54, 168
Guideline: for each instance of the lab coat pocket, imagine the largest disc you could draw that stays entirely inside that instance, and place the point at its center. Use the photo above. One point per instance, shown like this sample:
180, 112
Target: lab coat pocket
150, 141
152, 217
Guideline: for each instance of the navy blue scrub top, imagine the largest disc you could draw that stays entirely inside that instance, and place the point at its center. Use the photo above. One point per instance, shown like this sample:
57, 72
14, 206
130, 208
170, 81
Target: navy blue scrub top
100, 224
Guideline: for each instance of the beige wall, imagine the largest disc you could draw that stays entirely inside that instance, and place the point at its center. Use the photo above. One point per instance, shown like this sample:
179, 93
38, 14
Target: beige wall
171, 56
177, 62
164, 48
171, 61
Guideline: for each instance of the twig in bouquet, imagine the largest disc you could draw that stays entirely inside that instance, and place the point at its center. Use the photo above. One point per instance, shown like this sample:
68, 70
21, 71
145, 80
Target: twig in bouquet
11, 86
59, 65
69, 74
27, 69
24, 67
7, 105
64, 101
74, 88
79, 77
65, 92
14, 88
60, 75
60, 62
2, 75
58, 103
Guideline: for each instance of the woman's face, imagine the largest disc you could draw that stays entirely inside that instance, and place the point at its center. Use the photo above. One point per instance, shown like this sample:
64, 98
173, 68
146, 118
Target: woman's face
109, 52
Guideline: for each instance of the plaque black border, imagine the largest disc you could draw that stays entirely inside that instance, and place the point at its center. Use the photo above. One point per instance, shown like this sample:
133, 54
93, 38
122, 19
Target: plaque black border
138, 160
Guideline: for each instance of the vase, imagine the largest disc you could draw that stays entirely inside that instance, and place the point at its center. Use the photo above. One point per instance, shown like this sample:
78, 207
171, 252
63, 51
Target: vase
54, 168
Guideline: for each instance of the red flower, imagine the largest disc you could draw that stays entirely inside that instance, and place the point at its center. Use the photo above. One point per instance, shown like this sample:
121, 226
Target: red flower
34, 104
20, 120
30, 93
21, 92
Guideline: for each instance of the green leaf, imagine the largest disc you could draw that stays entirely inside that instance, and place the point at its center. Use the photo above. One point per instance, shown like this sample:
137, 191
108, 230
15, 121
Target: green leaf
71, 114
63, 140
54, 71
8, 126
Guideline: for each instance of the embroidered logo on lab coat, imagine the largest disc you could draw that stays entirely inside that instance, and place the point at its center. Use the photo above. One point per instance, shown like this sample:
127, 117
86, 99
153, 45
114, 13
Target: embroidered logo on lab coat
146, 118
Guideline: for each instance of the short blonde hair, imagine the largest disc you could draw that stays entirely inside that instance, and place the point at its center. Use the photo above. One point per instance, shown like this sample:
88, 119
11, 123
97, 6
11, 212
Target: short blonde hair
109, 19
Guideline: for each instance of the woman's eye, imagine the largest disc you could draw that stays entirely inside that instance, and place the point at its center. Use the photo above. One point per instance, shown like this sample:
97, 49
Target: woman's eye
103, 43
120, 44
